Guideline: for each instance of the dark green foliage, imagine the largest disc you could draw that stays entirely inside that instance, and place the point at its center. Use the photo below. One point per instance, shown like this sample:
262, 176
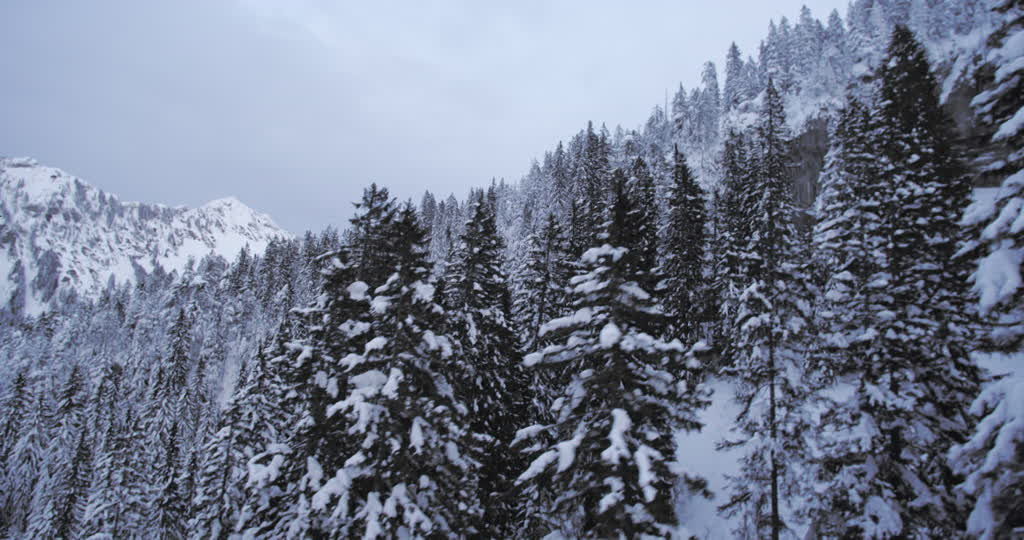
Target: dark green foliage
600, 465
907, 340
684, 253
495, 388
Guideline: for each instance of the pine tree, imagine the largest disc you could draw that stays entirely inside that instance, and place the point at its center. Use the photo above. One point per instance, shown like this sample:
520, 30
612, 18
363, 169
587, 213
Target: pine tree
410, 473
24, 471
684, 251
772, 329
681, 116
495, 388
59, 496
646, 220
591, 180
733, 93
309, 377
542, 293
602, 466
910, 365
15, 409
992, 459
243, 433
116, 501
708, 109
166, 504
367, 243
728, 244
64, 504
847, 239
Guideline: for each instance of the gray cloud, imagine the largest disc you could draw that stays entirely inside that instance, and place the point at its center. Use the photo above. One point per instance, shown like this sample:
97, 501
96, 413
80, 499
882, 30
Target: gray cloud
295, 106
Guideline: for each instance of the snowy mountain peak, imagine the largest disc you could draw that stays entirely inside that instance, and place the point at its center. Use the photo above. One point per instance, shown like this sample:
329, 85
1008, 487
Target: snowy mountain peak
58, 235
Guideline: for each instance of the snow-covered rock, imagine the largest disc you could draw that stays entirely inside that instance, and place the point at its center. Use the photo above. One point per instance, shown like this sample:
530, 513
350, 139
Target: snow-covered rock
60, 235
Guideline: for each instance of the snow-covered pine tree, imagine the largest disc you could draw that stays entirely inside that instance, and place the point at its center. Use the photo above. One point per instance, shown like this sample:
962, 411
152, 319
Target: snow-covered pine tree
171, 377
367, 236
541, 290
733, 92
223, 472
308, 376
603, 466
681, 117
495, 388
59, 499
410, 473
116, 504
15, 409
771, 334
590, 184
684, 250
24, 470
993, 458
848, 241
63, 507
882, 448
728, 245
647, 222
166, 505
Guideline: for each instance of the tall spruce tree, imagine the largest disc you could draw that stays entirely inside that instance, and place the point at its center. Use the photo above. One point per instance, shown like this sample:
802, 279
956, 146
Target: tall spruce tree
59, 499
308, 378
848, 241
684, 252
647, 222
116, 504
541, 289
15, 409
495, 388
166, 504
771, 331
409, 472
882, 451
731, 227
993, 458
602, 466
367, 236
243, 433
25, 469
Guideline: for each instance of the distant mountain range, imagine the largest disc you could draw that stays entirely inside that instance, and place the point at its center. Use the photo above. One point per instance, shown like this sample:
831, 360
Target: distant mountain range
59, 235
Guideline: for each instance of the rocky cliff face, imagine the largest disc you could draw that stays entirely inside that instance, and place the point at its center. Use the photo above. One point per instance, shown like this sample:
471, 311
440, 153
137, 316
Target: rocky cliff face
61, 236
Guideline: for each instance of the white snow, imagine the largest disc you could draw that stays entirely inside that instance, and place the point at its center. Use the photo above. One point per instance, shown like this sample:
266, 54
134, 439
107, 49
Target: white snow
610, 335
617, 447
884, 520
614, 495
696, 455
357, 290
538, 465
594, 254
416, 434
376, 344
580, 317
567, 452
998, 277
390, 388
369, 381
645, 456
424, 292
1011, 126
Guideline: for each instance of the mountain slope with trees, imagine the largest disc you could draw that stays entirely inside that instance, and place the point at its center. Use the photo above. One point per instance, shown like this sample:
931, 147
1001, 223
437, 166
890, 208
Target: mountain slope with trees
539, 359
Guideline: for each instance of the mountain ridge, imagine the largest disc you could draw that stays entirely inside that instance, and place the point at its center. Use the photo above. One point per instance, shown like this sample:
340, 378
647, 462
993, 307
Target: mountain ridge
60, 235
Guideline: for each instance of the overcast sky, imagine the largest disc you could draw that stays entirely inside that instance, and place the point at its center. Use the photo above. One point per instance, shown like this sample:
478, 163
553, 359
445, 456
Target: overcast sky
293, 106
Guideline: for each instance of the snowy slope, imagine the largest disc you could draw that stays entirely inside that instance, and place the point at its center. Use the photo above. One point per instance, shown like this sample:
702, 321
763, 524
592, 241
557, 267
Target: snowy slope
59, 234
